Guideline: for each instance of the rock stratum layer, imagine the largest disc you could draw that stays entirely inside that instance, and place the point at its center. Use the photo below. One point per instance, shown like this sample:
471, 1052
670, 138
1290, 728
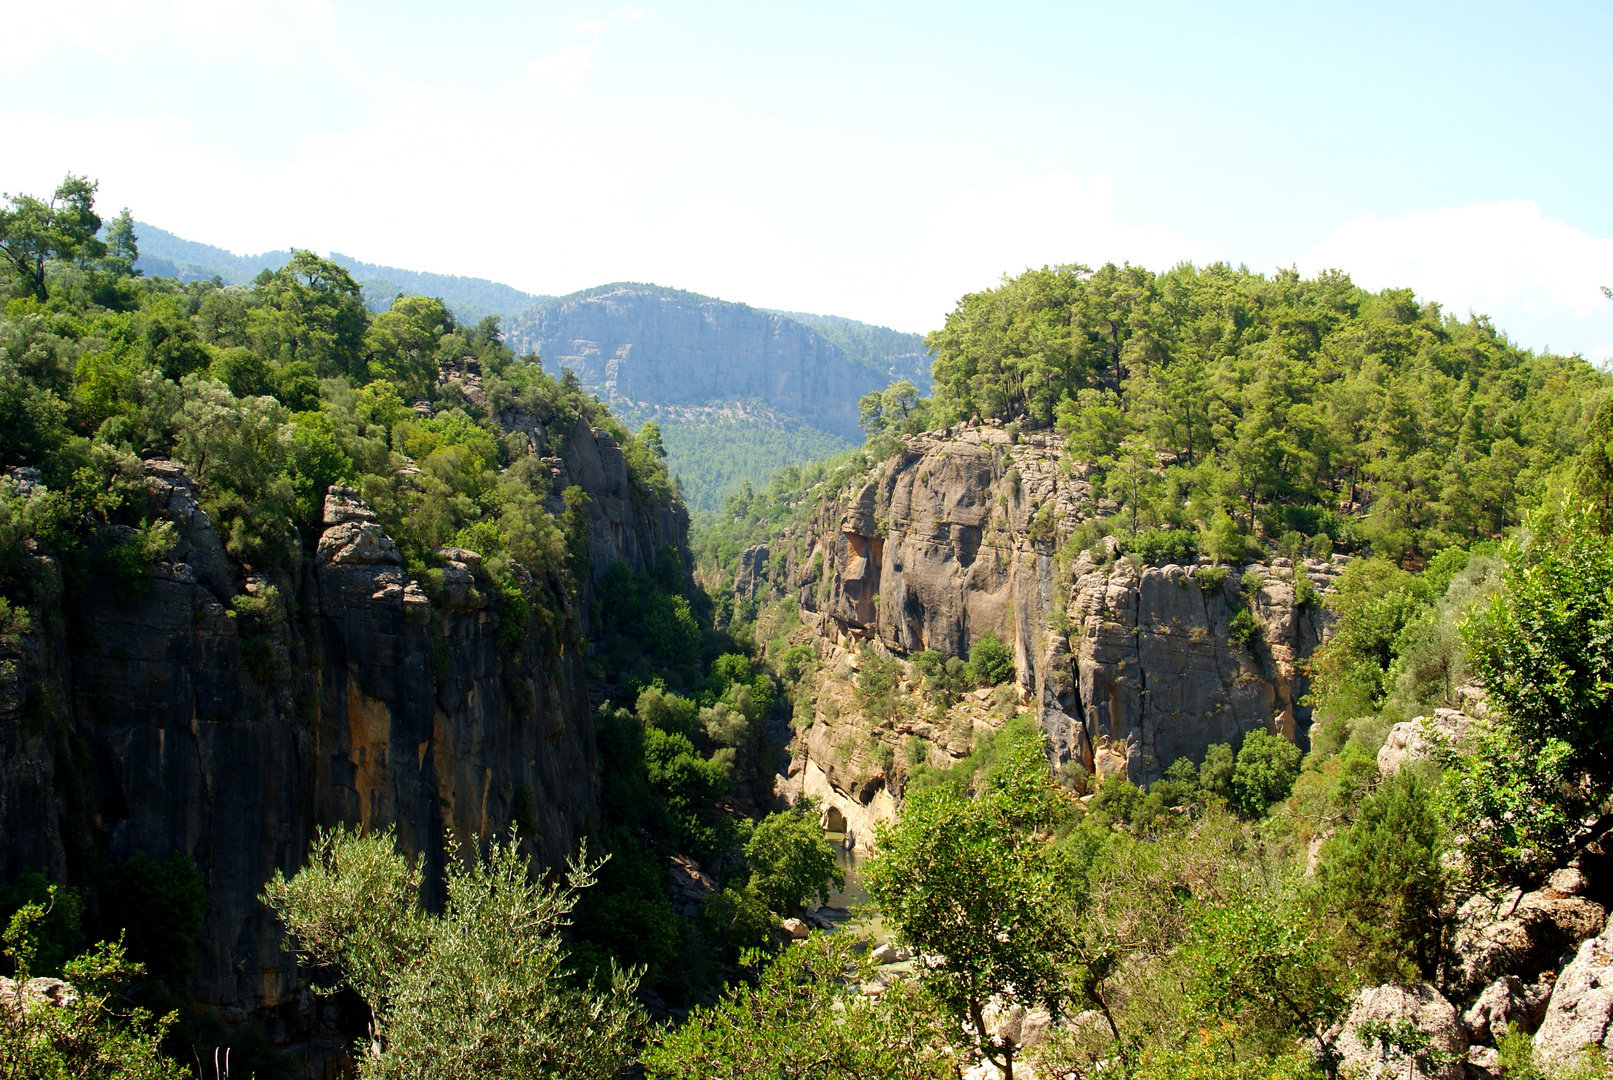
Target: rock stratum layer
167, 725
644, 345
1128, 666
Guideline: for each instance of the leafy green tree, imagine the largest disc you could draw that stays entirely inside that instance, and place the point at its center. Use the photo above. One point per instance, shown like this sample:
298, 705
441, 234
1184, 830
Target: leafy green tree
990, 661
790, 861
1267, 766
480, 989
806, 1018
312, 310
57, 933
34, 232
1537, 785
1254, 960
122, 246
88, 1033
1216, 772
974, 883
403, 340
157, 910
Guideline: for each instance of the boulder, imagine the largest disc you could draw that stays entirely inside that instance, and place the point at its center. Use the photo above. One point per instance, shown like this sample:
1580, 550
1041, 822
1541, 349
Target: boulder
1507, 1003
1414, 739
795, 928
1580, 1013
1418, 1008
889, 953
1516, 933
33, 993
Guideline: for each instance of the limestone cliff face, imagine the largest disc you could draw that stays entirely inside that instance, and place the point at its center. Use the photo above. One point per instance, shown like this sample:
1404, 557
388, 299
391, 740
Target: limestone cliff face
1128, 666
167, 725
641, 344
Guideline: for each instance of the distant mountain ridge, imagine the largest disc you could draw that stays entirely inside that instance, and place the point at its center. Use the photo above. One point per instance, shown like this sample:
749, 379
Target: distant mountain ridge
739, 392
649, 345
896, 353
162, 254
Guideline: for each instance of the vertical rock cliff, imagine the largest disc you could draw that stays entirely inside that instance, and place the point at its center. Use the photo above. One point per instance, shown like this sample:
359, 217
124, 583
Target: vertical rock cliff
182, 721
1126, 665
647, 345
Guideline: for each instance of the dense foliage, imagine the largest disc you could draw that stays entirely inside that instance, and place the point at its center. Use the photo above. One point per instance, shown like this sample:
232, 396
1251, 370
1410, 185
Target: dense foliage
268, 394
90, 1031
1284, 404
712, 455
477, 989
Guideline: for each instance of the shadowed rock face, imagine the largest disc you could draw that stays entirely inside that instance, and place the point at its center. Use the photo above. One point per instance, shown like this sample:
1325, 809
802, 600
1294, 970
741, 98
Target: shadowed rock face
1130, 666
165, 725
642, 344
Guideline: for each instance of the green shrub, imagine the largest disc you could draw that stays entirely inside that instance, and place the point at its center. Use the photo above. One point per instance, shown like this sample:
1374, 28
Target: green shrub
58, 932
790, 861
1383, 879
1159, 546
1267, 766
990, 661
1243, 628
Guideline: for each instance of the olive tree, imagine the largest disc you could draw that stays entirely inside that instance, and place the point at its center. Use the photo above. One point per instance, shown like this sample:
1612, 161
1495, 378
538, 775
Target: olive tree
480, 989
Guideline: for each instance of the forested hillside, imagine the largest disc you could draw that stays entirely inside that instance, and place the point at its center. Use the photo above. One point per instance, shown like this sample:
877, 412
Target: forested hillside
1298, 588
892, 353
737, 392
162, 254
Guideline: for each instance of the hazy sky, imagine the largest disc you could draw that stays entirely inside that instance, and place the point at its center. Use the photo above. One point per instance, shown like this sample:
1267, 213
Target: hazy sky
874, 160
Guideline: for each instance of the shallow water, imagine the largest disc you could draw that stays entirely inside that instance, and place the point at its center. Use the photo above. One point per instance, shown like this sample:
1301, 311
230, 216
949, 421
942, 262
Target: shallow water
854, 898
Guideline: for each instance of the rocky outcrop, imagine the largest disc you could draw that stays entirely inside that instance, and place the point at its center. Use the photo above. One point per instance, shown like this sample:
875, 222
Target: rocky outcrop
1128, 665
1521, 934
643, 344
17, 997
1507, 1004
225, 713
623, 525
1414, 739
1401, 1031
1579, 1016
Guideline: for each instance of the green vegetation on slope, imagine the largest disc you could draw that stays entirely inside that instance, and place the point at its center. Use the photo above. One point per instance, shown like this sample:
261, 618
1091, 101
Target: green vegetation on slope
892, 353
712, 452
1220, 399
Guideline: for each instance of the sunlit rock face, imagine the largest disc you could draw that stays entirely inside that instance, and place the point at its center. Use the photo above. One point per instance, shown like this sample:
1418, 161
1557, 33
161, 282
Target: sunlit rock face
1127, 665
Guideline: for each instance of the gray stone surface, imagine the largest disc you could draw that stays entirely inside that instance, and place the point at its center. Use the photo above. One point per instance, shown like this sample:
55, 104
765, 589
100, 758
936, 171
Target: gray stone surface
1421, 1005
1516, 933
640, 344
1580, 1013
1412, 740
157, 728
1130, 667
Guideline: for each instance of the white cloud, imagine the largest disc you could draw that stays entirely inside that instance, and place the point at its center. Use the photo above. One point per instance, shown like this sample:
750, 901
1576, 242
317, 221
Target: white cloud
566, 69
1538, 278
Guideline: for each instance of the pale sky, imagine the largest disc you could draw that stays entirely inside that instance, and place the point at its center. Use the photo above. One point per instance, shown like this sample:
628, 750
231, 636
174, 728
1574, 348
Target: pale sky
873, 160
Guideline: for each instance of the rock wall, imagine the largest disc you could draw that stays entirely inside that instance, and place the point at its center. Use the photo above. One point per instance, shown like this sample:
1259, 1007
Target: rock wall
642, 344
168, 724
1129, 666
